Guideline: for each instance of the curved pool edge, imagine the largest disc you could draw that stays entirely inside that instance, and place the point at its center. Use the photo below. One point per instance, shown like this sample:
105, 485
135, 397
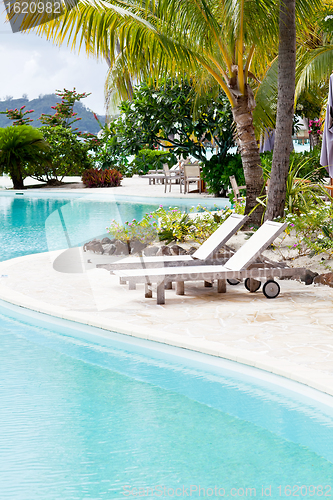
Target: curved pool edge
301, 374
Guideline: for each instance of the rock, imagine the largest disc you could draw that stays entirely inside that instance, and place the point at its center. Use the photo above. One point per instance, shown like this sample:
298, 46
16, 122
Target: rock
107, 241
177, 250
109, 249
164, 250
324, 279
150, 251
93, 246
308, 277
191, 250
121, 248
137, 246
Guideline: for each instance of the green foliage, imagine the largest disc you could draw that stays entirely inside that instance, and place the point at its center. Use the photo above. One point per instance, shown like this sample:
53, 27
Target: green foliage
21, 147
67, 155
163, 116
150, 159
101, 178
170, 225
308, 161
110, 154
304, 193
144, 231
313, 230
216, 173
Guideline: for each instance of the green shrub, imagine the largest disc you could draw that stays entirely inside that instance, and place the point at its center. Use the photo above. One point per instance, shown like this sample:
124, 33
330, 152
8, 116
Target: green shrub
308, 161
216, 173
150, 159
94, 177
170, 225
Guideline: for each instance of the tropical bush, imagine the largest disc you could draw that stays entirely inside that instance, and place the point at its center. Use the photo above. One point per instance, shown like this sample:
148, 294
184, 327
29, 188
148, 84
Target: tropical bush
68, 155
216, 173
313, 231
94, 177
308, 161
21, 147
303, 191
169, 225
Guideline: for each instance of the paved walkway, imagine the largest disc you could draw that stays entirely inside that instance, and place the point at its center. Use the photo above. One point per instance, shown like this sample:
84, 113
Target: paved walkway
291, 335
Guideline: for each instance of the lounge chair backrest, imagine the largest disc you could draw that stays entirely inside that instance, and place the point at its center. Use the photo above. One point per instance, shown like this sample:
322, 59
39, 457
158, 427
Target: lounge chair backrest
220, 236
258, 242
166, 169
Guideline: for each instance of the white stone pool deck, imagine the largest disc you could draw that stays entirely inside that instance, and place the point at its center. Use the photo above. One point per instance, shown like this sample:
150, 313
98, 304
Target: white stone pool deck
291, 335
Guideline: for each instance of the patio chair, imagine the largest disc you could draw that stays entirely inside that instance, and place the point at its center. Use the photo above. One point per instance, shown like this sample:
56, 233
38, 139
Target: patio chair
240, 266
205, 254
171, 175
191, 174
236, 189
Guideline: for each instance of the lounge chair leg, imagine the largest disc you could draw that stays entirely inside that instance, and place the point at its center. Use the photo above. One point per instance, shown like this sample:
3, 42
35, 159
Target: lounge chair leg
208, 284
168, 285
148, 291
131, 285
122, 281
221, 286
180, 288
160, 293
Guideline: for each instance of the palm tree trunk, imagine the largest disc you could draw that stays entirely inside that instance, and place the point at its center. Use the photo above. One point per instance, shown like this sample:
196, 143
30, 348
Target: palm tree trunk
285, 110
16, 177
248, 148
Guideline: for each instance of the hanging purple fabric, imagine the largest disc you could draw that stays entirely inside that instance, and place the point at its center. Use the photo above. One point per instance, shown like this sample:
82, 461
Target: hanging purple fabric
326, 157
267, 141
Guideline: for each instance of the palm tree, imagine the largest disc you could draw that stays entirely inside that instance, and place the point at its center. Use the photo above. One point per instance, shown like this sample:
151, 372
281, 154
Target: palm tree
209, 40
20, 147
227, 42
285, 110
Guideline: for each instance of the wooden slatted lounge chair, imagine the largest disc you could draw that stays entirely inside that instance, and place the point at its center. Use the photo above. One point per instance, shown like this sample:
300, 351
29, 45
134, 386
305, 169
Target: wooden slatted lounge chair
240, 266
206, 253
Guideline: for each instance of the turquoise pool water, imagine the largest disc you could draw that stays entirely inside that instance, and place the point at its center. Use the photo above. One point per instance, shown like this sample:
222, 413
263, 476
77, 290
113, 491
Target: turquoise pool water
33, 223
85, 421
125, 419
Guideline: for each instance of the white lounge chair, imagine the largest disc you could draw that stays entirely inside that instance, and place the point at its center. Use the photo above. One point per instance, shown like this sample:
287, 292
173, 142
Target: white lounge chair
205, 254
240, 266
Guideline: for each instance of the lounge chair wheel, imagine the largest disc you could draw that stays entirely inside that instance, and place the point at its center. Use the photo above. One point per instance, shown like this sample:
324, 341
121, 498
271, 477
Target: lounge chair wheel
233, 282
271, 289
247, 285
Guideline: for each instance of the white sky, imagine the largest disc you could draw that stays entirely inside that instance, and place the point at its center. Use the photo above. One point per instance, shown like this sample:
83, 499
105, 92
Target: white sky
31, 65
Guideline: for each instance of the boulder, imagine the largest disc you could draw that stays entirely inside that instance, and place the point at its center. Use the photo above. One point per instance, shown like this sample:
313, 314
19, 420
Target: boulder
164, 250
109, 249
121, 248
324, 279
93, 246
150, 251
107, 241
308, 277
137, 246
191, 250
177, 250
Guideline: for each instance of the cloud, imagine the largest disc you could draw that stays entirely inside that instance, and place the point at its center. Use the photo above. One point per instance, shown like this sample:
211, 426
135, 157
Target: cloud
32, 65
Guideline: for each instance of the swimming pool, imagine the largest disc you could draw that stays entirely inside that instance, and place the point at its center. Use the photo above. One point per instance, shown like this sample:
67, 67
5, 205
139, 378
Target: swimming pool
102, 420
34, 222
82, 419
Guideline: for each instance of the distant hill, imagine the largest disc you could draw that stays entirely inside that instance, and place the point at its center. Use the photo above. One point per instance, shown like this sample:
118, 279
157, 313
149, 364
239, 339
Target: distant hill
43, 105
